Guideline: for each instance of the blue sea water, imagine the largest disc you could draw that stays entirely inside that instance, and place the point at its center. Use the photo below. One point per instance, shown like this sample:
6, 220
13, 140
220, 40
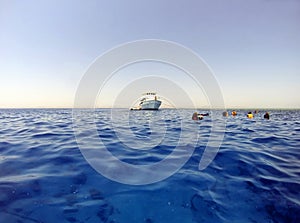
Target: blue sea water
44, 177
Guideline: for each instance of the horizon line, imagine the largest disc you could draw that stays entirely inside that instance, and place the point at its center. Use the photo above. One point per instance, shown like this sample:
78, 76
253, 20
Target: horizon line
204, 108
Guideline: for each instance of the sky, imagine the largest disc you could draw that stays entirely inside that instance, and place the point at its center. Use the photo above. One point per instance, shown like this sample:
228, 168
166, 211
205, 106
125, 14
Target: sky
252, 48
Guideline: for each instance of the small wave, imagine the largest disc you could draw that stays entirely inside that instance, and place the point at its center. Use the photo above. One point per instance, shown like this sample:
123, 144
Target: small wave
45, 135
267, 139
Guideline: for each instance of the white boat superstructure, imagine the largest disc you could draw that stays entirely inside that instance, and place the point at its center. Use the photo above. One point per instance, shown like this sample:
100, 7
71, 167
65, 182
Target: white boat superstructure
149, 101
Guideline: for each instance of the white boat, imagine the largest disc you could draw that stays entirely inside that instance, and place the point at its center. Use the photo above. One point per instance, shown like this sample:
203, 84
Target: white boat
149, 101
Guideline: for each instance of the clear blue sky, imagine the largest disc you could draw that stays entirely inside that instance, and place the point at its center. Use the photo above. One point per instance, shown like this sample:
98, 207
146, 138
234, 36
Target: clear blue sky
253, 47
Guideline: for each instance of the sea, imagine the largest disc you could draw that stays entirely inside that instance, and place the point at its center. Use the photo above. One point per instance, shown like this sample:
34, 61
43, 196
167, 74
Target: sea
51, 171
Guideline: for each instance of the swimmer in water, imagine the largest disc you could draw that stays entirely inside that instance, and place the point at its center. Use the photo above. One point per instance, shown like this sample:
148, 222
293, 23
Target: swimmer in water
267, 116
197, 116
225, 114
249, 115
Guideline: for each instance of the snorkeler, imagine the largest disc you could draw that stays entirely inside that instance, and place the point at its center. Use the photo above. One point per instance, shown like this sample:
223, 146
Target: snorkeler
225, 114
267, 116
249, 115
197, 116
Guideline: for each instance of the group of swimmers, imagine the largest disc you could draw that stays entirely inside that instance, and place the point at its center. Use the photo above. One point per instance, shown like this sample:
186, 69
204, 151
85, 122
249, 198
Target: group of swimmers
197, 116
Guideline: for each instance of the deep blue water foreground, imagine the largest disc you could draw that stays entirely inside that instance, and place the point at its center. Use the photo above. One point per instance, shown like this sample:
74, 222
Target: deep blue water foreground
44, 177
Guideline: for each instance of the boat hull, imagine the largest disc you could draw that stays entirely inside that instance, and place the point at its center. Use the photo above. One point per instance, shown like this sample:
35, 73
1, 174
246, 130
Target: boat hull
150, 105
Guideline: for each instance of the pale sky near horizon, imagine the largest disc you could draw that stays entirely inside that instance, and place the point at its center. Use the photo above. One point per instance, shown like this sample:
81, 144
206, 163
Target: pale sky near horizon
252, 47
